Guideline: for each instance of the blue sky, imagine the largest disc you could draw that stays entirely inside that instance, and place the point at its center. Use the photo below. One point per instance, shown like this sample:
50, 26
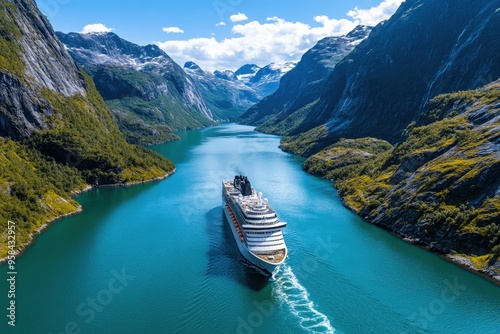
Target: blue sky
220, 34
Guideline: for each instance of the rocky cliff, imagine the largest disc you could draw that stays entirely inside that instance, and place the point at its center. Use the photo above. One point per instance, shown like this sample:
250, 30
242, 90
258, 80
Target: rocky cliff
31, 61
428, 47
440, 187
149, 94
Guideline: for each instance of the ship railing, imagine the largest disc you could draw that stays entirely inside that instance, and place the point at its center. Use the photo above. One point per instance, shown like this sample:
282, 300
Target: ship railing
253, 213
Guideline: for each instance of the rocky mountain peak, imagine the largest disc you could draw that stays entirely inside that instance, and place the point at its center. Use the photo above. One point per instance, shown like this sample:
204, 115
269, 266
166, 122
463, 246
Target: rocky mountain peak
143, 82
193, 67
272, 71
248, 69
360, 32
226, 75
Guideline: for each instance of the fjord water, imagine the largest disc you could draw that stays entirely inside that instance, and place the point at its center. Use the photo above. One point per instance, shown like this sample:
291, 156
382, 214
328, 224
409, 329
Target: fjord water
159, 258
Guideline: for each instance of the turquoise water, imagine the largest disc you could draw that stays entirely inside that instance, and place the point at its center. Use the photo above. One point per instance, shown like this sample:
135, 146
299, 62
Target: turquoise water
159, 258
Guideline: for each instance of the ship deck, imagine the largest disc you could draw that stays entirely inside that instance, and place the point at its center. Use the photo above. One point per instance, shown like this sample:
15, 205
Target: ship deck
276, 257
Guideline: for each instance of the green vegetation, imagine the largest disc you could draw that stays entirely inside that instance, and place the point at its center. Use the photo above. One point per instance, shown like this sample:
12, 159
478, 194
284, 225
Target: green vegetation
343, 157
9, 33
219, 97
283, 124
138, 131
33, 190
305, 143
439, 187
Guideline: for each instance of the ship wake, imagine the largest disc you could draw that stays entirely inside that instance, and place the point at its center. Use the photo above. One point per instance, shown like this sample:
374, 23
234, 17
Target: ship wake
295, 296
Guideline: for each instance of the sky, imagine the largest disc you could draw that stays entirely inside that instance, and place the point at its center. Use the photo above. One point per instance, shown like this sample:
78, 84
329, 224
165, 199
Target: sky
220, 34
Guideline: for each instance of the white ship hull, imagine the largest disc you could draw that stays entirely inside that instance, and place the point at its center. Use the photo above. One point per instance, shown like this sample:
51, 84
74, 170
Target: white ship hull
269, 268
254, 225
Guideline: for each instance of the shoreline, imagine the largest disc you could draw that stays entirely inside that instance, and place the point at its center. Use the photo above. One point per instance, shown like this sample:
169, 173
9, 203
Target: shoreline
47, 224
457, 260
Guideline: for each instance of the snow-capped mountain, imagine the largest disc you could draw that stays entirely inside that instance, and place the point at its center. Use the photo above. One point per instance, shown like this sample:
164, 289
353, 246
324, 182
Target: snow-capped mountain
226, 96
246, 72
229, 94
264, 80
267, 79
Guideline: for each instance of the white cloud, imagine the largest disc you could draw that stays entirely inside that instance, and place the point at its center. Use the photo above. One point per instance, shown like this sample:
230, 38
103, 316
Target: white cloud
374, 15
95, 27
173, 30
275, 40
220, 24
238, 17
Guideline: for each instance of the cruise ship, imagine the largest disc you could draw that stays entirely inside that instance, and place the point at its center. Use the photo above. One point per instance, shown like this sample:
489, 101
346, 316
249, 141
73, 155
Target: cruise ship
254, 224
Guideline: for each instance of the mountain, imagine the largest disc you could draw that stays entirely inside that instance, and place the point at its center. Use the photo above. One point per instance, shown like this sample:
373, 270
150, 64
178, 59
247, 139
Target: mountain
229, 94
428, 47
149, 94
246, 72
300, 86
226, 75
440, 187
56, 133
264, 80
267, 79
224, 94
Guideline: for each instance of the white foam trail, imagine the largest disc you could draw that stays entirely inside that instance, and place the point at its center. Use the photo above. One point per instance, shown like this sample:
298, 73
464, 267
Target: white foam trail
288, 289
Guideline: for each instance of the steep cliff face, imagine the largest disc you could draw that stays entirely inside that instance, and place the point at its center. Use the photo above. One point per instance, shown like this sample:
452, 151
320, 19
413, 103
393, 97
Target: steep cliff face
427, 47
300, 86
440, 187
31, 58
69, 136
148, 92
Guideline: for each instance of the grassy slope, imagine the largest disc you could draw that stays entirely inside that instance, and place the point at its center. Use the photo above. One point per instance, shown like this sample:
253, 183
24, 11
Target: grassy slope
440, 186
